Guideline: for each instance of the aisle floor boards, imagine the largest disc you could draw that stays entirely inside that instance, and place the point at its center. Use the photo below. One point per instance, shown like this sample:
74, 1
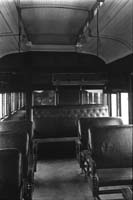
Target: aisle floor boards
60, 180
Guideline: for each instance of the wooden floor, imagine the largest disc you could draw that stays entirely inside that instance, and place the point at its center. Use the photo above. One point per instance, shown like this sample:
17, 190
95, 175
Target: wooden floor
60, 180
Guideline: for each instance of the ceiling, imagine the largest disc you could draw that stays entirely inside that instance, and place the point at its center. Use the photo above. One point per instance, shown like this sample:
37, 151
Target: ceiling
98, 27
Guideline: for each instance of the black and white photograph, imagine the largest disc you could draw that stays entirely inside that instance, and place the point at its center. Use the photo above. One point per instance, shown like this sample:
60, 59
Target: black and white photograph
66, 99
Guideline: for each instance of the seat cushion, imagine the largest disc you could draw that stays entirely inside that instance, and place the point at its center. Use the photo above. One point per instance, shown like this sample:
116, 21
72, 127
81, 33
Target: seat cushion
61, 121
10, 173
9, 190
115, 176
17, 126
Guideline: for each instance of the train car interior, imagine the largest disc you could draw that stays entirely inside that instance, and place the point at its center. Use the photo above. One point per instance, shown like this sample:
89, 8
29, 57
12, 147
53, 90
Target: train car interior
66, 99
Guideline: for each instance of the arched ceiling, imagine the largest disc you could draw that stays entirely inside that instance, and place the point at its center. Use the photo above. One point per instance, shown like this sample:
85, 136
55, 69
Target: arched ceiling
98, 27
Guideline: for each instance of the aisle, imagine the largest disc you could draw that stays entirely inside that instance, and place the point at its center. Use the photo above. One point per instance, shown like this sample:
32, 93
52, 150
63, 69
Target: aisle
60, 180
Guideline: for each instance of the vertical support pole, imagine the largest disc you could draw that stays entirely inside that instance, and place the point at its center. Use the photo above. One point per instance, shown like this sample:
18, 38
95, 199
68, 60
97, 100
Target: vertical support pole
109, 103
118, 96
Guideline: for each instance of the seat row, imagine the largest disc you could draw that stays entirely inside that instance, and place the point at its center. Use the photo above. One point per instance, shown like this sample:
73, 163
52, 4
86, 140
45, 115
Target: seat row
58, 125
104, 151
16, 160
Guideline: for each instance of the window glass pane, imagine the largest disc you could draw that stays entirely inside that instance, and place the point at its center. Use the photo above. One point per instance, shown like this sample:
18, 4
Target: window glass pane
124, 108
19, 100
16, 101
0, 105
85, 97
3, 106
96, 99
105, 99
22, 100
7, 103
12, 101
113, 105
4, 103
92, 97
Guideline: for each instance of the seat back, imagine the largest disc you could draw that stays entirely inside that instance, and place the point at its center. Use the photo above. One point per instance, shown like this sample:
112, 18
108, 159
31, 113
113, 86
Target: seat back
112, 146
19, 115
61, 121
18, 140
13, 139
10, 173
84, 124
17, 125
55, 127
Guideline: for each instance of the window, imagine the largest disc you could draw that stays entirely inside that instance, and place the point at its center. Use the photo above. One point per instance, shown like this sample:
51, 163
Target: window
18, 105
12, 102
4, 99
3, 105
22, 99
119, 106
0, 106
8, 102
124, 108
113, 105
92, 97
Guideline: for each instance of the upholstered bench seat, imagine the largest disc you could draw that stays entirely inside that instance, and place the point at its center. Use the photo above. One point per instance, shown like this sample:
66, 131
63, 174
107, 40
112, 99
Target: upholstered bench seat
55, 127
10, 174
19, 115
17, 126
111, 156
61, 121
18, 140
8, 190
84, 125
24, 129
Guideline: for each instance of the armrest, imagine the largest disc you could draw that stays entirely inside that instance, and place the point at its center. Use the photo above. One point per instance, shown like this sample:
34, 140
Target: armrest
78, 149
88, 163
127, 193
78, 142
